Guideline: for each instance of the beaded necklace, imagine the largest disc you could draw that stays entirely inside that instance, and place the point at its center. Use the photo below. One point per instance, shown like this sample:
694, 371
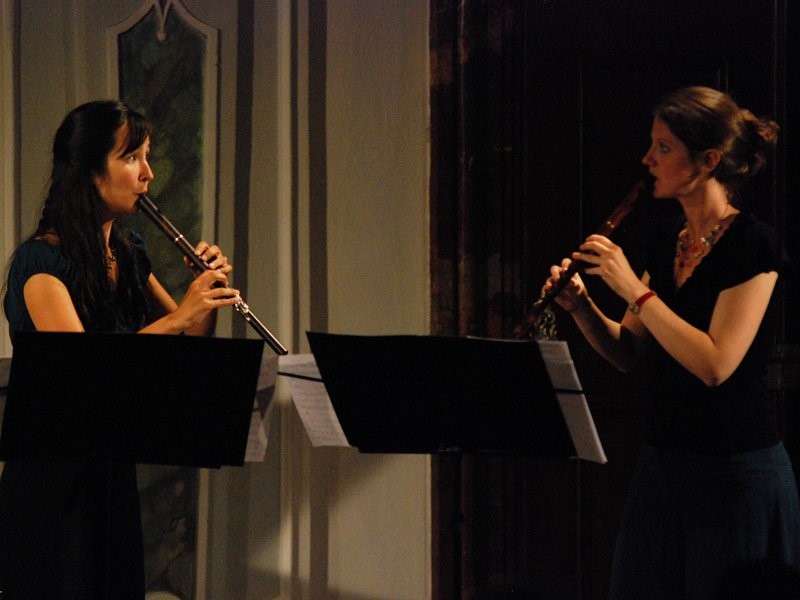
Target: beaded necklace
111, 257
689, 251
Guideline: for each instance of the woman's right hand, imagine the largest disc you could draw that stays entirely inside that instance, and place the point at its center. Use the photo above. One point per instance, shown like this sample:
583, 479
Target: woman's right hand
196, 314
570, 295
206, 293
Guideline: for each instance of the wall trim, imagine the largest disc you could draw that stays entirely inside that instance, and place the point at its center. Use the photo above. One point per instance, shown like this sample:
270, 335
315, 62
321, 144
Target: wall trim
9, 208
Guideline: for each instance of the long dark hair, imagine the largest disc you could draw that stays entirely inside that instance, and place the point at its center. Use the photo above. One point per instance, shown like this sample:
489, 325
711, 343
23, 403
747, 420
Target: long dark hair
704, 118
71, 208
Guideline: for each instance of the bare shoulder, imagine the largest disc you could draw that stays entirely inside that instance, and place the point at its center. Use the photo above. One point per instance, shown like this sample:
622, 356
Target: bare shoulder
51, 237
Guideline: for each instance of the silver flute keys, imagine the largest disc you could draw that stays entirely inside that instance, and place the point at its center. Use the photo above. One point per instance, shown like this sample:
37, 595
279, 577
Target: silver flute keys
154, 214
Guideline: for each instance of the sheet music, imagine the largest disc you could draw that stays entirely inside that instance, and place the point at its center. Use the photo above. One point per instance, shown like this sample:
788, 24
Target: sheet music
261, 416
576, 412
323, 427
256, 439
312, 400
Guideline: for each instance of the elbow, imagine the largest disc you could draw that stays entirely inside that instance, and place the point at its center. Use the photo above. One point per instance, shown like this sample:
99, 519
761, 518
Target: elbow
715, 377
626, 363
625, 367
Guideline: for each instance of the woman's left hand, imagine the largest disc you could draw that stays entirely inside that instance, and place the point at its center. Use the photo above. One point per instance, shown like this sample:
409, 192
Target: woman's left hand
607, 260
213, 257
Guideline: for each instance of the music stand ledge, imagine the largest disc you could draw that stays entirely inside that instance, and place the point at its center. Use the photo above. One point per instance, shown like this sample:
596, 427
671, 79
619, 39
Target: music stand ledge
436, 394
157, 399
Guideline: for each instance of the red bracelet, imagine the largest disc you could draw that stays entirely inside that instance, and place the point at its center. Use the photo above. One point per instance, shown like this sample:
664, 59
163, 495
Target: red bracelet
636, 306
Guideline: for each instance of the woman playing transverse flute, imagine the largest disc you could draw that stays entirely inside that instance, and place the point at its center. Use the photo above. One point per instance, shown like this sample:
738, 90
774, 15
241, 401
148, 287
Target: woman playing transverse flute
713, 496
73, 530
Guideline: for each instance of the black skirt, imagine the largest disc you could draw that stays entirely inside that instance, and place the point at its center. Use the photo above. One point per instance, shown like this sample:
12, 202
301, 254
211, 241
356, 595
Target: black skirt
703, 527
70, 531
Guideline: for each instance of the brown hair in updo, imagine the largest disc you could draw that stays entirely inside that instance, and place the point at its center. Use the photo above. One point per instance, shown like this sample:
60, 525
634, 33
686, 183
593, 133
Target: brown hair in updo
704, 118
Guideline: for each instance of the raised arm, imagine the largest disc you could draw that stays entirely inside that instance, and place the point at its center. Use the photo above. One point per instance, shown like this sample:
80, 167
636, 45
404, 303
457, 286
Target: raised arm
51, 308
617, 342
196, 315
713, 356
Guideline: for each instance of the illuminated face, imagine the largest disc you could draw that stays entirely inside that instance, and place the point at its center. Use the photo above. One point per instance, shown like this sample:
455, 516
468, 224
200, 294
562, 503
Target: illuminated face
127, 175
668, 160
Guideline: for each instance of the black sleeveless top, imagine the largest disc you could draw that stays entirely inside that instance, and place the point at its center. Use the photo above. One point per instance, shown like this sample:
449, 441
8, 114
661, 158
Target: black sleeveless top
39, 256
739, 414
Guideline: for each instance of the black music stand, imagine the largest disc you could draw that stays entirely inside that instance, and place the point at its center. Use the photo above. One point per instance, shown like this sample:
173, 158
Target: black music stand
157, 399
430, 394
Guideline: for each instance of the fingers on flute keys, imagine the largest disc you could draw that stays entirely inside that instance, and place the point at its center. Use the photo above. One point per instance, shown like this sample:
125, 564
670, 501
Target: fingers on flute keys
215, 284
556, 272
211, 255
